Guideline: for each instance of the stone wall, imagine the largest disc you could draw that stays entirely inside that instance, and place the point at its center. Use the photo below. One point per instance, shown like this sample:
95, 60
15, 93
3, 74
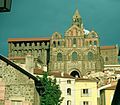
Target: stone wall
17, 86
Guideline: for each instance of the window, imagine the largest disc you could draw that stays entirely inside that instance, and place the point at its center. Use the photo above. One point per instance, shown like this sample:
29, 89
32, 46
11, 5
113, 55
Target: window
74, 41
106, 58
95, 42
16, 102
68, 91
54, 44
86, 92
59, 57
90, 42
85, 103
59, 43
90, 56
68, 81
68, 102
74, 56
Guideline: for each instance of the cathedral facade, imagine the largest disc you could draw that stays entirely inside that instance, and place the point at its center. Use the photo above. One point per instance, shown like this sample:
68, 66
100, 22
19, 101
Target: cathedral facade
78, 52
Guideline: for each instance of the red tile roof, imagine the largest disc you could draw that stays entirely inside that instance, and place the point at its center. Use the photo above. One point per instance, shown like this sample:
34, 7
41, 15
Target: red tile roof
27, 39
39, 71
107, 47
59, 74
85, 80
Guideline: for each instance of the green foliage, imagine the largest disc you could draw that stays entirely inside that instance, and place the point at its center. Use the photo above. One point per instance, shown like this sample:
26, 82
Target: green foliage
52, 93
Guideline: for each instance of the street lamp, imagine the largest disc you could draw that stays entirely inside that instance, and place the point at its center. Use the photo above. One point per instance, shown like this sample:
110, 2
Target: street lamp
5, 5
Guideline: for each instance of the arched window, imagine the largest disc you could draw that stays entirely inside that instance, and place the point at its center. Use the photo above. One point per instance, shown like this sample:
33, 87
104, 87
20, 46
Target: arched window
59, 57
68, 91
74, 40
106, 58
95, 42
68, 102
59, 43
90, 42
74, 56
90, 56
54, 44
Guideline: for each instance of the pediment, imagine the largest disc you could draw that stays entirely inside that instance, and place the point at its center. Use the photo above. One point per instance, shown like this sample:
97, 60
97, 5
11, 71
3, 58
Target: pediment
74, 30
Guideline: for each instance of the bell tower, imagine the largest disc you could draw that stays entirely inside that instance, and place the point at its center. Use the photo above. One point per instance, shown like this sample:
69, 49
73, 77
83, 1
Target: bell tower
77, 20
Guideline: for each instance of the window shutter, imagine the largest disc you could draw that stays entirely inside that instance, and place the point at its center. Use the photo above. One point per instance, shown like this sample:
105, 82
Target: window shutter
81, 102
90, 103
90, 92
81, 92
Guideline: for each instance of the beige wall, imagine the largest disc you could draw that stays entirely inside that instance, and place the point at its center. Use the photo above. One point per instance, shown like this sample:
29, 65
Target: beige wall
109, 96
91, 98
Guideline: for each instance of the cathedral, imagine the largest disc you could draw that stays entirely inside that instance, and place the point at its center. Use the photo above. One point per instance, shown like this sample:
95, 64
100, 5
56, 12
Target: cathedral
77, 52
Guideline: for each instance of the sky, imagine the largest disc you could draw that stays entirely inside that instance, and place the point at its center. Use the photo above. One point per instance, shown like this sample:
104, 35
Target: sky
41, 18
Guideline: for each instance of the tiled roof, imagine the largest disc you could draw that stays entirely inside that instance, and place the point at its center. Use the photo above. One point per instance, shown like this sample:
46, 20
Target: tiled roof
59, 74
39, 71
27, 39
107, 47
85, 80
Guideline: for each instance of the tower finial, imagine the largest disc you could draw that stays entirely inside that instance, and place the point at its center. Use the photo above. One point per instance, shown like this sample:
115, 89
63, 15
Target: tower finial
76, 4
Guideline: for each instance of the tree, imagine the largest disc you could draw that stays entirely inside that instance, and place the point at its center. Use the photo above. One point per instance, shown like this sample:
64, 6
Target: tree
51, 94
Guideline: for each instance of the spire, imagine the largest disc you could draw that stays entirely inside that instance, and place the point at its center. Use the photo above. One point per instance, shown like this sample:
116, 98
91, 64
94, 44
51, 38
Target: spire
77, 20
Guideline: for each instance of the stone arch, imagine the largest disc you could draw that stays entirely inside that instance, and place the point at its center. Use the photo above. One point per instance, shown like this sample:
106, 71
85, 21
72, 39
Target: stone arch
75, 73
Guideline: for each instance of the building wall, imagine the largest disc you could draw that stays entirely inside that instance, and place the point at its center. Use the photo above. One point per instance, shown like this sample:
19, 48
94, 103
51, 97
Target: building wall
110, 56
64, 85
18, 87
91, 97
109, 96
18, 50
75, 52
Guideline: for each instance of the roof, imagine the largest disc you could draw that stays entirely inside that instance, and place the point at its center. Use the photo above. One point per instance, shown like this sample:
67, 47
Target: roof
61, 75
85, 80
27, 39
39, 71
107, 47
111, 87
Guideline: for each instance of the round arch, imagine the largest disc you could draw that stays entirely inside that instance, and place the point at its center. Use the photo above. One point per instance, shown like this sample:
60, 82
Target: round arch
75, 73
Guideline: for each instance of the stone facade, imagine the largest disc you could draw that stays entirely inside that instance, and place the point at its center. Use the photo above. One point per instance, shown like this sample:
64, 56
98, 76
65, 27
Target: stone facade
17, 88
77, 53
